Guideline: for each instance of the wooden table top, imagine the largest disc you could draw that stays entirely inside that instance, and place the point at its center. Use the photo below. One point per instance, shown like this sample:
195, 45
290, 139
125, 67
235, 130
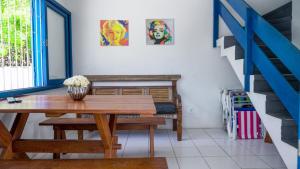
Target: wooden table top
100, 104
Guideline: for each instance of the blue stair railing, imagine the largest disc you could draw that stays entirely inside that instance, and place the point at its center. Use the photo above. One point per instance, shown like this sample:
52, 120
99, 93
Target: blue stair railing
288, 54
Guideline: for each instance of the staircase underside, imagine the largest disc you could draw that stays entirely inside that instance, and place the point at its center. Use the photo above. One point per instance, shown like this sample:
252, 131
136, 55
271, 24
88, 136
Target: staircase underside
272, 123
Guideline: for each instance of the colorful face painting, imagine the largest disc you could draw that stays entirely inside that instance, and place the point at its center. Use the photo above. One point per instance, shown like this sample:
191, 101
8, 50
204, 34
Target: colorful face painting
114, 33
160, 31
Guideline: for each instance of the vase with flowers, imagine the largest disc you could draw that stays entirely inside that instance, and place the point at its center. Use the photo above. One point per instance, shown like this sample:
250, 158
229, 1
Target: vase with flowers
78, 87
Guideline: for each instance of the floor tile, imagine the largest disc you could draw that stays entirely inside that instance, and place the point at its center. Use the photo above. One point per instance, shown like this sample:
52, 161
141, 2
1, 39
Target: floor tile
173, 135
136, 152
192, 163
252, 162
227, 142
264, 149
197, 134
172, 163
217, 133
183, 143
251, 142
273, 161
164, 152
186, 152
211, 151
204, 142
237, 150
221, 163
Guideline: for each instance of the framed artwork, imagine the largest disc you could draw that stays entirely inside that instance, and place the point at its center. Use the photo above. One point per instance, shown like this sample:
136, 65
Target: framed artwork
114, 33
160, 31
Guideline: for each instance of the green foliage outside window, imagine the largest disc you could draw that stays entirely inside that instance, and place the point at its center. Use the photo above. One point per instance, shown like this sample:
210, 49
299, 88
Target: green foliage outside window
15, 33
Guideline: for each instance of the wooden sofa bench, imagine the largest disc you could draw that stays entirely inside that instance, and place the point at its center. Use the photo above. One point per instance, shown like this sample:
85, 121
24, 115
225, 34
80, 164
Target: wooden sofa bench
166, 98
121, 163
62, 124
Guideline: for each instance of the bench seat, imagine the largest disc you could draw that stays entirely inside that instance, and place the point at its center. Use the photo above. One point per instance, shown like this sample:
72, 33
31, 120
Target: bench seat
80, 124
121, 163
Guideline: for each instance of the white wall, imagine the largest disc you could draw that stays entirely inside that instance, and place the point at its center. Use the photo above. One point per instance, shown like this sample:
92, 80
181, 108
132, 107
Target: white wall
203, 72
296, 23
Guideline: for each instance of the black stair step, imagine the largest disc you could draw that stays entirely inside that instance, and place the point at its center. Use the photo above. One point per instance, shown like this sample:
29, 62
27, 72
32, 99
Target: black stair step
278, 64
293, 142
283, 26
281, 115
289, 131
287, 34
273, 104
261, 85
280, 20
229, 41
283, 11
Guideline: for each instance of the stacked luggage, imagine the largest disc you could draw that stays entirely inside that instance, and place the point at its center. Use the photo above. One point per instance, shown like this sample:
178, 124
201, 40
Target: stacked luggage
240, 117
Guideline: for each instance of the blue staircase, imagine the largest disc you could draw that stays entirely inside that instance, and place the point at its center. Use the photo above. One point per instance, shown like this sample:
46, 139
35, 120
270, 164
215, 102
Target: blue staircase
268, 55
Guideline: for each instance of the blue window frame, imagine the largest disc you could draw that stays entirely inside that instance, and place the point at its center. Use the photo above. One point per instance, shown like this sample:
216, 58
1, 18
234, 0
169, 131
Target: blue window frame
68, 52
39, 46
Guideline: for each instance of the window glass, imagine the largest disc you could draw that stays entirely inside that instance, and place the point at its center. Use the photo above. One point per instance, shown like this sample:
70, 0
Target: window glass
16, 68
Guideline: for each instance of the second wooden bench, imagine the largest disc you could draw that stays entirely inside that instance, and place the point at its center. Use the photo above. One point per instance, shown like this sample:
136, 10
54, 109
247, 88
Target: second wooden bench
121, 163
60, 125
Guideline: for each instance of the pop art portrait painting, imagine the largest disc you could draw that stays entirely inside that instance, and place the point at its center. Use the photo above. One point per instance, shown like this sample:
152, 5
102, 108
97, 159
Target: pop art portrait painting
114, 33
160, 31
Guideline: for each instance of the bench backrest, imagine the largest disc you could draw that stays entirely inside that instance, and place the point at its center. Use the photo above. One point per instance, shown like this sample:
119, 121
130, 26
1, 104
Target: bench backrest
163, 93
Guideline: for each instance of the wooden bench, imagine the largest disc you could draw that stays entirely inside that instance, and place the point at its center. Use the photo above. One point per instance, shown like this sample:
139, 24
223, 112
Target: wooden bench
62, 124
121, 163
166, 98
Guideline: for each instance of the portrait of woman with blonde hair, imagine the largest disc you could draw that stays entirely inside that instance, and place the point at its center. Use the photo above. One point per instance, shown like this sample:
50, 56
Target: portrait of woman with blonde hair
114, 33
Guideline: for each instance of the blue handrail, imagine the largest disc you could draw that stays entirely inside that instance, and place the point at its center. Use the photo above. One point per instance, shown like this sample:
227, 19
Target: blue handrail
288, 54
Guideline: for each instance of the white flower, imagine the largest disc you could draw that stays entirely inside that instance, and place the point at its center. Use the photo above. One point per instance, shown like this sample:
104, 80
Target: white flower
78, 81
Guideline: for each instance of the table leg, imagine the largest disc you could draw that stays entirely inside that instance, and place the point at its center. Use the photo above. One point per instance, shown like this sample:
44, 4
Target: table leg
79, 132
105, 133
113, 128
151, 140
7, 138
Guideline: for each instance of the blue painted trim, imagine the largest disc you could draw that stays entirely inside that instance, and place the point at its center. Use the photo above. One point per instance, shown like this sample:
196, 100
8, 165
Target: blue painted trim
288, 96
248, 63
44, 60
15, 93
216, 22
239, 6
59, 6
298, 158
37, 42
283, 48
56, 7
234, 26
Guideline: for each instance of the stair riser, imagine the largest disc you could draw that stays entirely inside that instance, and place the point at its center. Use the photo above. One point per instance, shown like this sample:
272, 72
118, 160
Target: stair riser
289, 133
263, 86
284, 11
293, 142
274, 107
285, 26
280, 20
279, 66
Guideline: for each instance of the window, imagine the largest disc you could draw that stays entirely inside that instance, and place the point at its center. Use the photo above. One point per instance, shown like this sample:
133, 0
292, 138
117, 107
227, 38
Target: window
16, 68
29, 54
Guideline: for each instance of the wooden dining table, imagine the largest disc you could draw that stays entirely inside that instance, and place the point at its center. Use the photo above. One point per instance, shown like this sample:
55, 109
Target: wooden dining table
104, 109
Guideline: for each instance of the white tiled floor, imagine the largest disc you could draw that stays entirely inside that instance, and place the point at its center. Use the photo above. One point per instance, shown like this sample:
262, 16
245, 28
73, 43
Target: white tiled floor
200, 149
